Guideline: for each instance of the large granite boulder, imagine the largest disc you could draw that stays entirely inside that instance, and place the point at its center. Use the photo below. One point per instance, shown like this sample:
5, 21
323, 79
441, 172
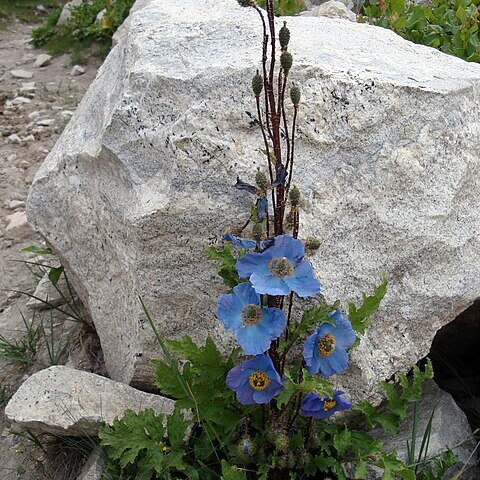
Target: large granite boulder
387, 146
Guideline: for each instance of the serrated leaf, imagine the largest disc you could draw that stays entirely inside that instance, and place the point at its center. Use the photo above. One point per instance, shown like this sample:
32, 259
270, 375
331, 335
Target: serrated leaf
342, 441
230, 472
361, 471
227, 269
176, 427
359, 316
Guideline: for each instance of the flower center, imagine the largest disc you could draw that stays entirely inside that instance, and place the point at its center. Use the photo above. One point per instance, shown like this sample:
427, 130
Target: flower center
326, 345
328, 405
251, 314
281, 267
259, 380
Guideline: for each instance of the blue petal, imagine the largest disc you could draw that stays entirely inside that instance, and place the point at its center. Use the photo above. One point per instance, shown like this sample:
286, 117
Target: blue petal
275, 319
264, 396
289, 247
309, 354
254, 340
336, 363
303, 281
343, 331
239, 242
245, 395
268, 284
229, 310
262, 208
246, 294
236, 378
253, 262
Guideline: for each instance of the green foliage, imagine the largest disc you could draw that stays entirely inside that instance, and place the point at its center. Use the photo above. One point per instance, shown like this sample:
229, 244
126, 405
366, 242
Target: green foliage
395, 409
231, 472
227, 261
286, 7
141, 439
360, 316
449, 25
82, 28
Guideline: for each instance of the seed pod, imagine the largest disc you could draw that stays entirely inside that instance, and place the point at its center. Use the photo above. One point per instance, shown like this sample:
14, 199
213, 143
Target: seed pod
257, 84
284, 36
295, 196
286, 60
281, 443
295, 95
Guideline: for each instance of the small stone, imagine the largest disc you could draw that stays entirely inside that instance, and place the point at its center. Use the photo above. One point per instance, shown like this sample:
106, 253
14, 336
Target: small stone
331, 9
17, 101
34, 115
43, 60
24, 164
45, 122
28, 87
65, 401
14, 204
67, 114
16, 220
76, 71
56, 295
28, 138
100, 16
94, 469
14, 138
66, 11
42, 9
21, 74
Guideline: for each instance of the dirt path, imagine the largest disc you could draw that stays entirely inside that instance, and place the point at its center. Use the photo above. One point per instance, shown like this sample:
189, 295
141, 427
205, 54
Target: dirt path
32, 116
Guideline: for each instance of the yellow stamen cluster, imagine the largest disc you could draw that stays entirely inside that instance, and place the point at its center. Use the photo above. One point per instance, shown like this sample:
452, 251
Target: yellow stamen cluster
328, 405
326, 345
281, 267
251, 314
259, 380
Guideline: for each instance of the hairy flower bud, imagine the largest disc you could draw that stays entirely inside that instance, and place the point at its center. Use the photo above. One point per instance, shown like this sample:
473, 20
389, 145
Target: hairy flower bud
257, 232
257, 84
261, 180
295, 95
284, 36
286, 61
281, 442
312, 244
295, 196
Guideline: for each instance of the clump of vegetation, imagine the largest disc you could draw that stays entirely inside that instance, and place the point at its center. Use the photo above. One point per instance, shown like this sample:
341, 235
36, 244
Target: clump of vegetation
449, 25
25, 10
91, 24
286, 7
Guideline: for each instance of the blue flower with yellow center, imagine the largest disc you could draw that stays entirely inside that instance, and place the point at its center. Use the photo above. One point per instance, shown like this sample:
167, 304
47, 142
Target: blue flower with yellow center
255, 381
253, 325
280, 269
325, 351
316, 407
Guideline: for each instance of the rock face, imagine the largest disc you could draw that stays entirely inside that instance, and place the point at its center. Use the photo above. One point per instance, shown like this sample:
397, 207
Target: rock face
331, 9
64, 401
387, 160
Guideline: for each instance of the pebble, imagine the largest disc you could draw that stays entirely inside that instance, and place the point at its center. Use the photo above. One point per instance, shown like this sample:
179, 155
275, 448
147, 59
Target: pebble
45, 122
28, 87
14, 204
34, 114
17, 101
21, 73
29, 138
14, 138
43, 60
42, 9
16, 220
67, 114
24, 164
76, 71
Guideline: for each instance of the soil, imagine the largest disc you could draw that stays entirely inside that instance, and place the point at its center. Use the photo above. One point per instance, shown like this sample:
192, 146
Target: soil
28, 130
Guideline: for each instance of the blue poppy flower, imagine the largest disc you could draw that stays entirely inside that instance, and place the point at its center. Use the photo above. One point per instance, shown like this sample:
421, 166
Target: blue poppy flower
254, 326
255, 381
246, 243
280, 269
316, 407
325, 351
262, 208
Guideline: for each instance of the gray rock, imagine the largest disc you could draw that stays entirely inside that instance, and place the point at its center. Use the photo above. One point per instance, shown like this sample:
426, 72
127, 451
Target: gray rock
66, 11
64, 401
141, 181
55, 295
43, 60
17, 101
101, 16
14, 204
331, 9
28, 87
450, 428
94, 469
14, 138
45, 122
21, 74
76, 71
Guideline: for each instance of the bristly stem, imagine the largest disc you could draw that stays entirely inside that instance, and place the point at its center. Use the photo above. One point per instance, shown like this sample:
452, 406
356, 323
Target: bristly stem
290, 173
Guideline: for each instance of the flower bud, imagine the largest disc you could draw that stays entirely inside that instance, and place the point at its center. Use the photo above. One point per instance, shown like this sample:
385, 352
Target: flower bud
257, 84
257, 232
286, 61
281, 442
284, 36
261, 180
312, 244
295, 95
295, 196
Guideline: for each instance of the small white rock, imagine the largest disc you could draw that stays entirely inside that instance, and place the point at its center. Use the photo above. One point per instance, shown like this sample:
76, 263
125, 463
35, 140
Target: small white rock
14, 204
16, 220
21, 74
14, 138
34, 115
45, 122
29, 138
28, 87
67, 114
17, 101
42, 9
76, 71
43, 60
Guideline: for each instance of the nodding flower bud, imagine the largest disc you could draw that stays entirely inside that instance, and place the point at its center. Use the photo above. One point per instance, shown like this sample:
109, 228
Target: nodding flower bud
312, 244
257, 84
286, 60
284, 36
295, 196
295, 95
261, 180
247, 3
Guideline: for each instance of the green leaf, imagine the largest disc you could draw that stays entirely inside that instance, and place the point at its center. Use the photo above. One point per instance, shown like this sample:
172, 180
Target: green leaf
38, 250
359, 316
362, 470
342, 441
227, 268
176, 427
54, 274
232, 473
